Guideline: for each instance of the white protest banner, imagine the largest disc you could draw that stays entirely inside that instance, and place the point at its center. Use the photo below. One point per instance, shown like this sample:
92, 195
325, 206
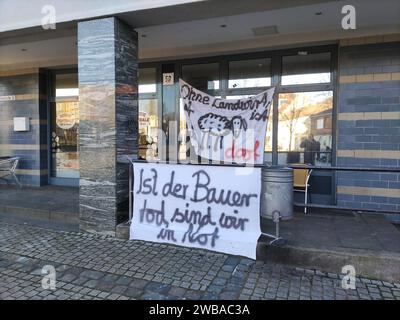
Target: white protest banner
197, 206
232, 130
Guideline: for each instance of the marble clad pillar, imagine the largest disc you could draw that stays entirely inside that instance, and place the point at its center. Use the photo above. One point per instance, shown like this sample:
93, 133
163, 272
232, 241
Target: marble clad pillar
107, 63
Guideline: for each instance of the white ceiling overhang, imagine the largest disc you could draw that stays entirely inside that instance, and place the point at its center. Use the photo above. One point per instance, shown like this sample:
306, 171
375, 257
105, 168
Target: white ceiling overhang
210, 28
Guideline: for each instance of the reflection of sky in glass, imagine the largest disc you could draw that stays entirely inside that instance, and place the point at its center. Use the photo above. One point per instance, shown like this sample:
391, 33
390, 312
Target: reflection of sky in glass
147, 88
306, 78
311, 97
250, 83
320, 96
213, 85
69, 92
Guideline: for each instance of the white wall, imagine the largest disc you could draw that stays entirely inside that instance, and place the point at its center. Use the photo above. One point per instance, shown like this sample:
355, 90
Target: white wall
18, 14
193, 36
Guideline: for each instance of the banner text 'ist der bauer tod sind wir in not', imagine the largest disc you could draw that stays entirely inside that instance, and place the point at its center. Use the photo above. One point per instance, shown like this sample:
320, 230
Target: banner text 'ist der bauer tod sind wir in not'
208, 207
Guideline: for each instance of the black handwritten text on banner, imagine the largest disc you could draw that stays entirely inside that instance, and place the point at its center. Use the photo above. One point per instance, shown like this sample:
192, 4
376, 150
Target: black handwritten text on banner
208, 207
232, 130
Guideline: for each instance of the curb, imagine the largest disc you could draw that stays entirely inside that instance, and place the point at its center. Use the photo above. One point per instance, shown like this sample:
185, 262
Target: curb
370, 264
38, 214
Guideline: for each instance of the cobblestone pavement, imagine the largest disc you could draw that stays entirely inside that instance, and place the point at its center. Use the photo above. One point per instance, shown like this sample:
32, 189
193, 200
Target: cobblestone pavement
98, 267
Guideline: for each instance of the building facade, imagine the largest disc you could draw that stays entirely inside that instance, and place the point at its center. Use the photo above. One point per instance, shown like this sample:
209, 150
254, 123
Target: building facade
103, 85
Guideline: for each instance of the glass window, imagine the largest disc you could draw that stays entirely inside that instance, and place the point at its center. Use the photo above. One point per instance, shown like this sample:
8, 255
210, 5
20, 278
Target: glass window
305, 127
67, 87
301, 115
268, 137
65, 127
203, 76
249, 73
306, 68
148, 128
147, 80
148, 114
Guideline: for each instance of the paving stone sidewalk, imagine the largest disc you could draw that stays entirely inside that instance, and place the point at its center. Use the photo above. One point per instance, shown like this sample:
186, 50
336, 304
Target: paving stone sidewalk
98, 267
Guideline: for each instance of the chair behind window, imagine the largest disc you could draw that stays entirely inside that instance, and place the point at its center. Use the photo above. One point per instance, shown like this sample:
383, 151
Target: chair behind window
301, 178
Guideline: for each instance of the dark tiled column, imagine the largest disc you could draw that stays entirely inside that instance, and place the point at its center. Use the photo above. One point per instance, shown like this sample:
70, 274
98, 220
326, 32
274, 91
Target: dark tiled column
107, 58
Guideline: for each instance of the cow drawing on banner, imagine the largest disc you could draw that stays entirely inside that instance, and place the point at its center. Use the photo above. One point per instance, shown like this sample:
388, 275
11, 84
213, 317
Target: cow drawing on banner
220, 126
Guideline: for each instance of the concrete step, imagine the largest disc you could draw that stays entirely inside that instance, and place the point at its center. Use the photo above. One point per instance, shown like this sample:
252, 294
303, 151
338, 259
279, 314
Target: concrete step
40, 214
381, 265
58, 220
47, 203
371, 264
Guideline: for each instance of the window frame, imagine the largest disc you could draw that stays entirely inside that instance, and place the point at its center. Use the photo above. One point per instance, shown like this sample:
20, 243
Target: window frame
50, 81
152, 95
248, 90
276, 75
292, 53
213, 92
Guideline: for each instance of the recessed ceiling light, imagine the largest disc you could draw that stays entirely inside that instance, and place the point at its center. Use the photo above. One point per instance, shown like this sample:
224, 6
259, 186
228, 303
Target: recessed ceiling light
318, 13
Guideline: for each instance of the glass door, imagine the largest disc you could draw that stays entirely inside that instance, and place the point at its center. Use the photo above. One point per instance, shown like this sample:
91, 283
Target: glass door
65, 130
149, 111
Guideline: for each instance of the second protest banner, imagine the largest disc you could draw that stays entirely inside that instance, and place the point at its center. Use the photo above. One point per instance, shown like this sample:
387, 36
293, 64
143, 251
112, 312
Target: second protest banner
228, 130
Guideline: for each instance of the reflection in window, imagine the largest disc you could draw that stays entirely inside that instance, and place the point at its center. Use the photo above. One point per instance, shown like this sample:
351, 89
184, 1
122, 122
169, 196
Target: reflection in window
147, 80
306, 69
67, 92
66, 86
250, 73
148, 128
203, 76
305, 127
65, 127
148, 114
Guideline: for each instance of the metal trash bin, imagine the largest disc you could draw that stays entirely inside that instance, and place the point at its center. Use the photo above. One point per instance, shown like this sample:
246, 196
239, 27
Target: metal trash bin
277, 192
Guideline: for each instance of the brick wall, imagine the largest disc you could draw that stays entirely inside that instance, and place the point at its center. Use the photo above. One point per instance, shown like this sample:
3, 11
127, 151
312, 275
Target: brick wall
24, 95
369, 125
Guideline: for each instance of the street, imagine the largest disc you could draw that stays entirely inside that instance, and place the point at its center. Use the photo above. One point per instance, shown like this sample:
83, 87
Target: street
99, 267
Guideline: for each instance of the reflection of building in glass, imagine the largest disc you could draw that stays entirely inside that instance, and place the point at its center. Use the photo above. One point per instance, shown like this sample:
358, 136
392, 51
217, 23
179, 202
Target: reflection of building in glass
65, 126
302, 114
148, 128
296, 114
321, 128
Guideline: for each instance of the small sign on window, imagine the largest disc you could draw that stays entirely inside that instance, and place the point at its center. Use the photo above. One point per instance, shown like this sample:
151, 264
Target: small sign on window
168, 79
